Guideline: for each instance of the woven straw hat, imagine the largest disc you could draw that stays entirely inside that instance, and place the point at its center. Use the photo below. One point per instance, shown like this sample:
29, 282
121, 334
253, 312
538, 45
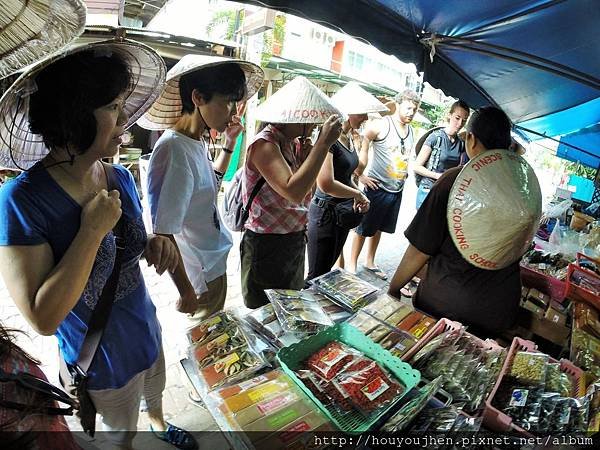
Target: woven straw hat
20, 148
353, 99
299, 101
33, 29
166, 110
494, 209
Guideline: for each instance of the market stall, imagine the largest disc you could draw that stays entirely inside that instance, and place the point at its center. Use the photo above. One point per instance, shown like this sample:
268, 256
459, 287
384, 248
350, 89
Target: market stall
345, 357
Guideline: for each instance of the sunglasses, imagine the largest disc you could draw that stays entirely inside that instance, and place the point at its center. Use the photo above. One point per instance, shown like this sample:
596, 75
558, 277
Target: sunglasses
38, 385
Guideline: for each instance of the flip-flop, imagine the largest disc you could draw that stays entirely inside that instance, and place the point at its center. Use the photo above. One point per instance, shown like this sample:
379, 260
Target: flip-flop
409, 289
377, 272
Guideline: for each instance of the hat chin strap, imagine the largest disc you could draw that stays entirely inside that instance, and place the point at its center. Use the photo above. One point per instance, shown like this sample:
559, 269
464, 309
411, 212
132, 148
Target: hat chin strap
206, 126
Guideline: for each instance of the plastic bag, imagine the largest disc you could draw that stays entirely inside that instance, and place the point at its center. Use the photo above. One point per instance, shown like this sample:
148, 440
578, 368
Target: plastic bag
232, 367
345, 288
565, 240
557, 210
210, 328
558, 381
369, 387
529, 368
549, 400
208, 351
298, 311
332, 359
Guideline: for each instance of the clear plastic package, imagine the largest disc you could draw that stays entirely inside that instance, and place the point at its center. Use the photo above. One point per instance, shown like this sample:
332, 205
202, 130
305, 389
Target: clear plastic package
208, 351
232, 367
529, 368
345, 288
364, 322
332, 359
298, 311
210, 328
558, 381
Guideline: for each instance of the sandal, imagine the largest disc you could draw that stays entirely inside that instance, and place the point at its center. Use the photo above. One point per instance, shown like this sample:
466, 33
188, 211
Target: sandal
409, 289
177, 437
377, 272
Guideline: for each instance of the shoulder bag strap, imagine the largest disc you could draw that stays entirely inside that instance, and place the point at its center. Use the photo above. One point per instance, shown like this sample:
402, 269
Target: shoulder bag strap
103, 307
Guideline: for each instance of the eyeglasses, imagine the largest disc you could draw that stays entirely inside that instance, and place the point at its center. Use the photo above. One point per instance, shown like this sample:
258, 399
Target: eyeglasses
41, 386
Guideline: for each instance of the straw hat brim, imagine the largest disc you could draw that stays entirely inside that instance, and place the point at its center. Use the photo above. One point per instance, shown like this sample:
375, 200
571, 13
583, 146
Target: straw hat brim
20, 148
166, 110
353, 99
494, 208
34, 29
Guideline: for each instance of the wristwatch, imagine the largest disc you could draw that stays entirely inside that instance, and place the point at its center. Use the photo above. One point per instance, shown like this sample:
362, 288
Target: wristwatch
226, 150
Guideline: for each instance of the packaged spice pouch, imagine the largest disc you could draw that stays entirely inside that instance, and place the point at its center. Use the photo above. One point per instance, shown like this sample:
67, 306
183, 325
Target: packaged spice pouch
364, 322
369, 386
478, 388
315, 384
529, 368
558, 381
446, 338
561, 417
578, 422
209, 351
549, 400
402, 345
379, 332
410, 321
465, 424
298, 311
442, 419
384, 306
340, 399
593, 393
234, 366
412, 408
398, 316
530, 415
210, 328
345, 288
585, 352
422, 327
453, 363
435, 365
332, 359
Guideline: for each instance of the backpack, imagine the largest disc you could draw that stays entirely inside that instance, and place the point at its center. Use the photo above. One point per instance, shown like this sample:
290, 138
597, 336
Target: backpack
435, 148
234, 213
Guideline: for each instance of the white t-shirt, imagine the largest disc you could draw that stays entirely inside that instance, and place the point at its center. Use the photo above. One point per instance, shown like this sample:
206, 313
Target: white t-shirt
182, 193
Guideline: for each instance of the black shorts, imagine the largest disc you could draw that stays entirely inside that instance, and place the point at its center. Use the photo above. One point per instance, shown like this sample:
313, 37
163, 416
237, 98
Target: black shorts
382, 214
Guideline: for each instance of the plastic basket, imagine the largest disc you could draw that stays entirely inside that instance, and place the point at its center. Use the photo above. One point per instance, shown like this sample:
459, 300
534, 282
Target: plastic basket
292, 358
496, 420
551, 286
580, 293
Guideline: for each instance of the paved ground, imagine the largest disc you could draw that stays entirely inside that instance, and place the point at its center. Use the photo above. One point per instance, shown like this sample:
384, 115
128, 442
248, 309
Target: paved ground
177, 409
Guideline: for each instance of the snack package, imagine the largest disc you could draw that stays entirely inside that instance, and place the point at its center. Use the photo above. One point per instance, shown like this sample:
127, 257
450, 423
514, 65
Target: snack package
399, 315
210, 328
258, 318
585, 352
331, 359
345, 288
292, 434
385, 306
298, 311
335, 312
340, 399
422, 327
368, 386
444, 339
379, 332
529, 417
410, 321
549, 400
398, 343
529, 368
562, 414
315, 384
231, 367
578, 421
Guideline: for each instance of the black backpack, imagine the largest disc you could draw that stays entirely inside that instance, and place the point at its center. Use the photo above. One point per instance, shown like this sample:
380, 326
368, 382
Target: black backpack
435, 148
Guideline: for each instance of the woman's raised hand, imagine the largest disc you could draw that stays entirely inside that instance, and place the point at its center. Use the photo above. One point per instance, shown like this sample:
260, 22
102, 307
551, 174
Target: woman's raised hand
330, 131
101, 213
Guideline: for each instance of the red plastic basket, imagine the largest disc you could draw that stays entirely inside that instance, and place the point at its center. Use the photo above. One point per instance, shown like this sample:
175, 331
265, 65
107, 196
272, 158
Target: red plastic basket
580, 293
495, 419
546, 284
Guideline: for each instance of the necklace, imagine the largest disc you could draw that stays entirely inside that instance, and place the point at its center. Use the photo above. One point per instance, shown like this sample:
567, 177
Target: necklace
89, 193
402, 139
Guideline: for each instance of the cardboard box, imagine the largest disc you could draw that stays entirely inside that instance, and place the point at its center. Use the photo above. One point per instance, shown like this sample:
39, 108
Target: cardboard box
553, 314
537, 310
539, 298
556, 333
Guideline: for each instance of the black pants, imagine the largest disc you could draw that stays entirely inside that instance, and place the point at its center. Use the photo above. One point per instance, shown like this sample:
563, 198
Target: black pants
325, 240
271, 261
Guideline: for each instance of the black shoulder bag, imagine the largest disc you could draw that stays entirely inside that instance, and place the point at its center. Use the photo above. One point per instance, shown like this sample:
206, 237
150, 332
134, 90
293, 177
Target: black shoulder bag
74, 377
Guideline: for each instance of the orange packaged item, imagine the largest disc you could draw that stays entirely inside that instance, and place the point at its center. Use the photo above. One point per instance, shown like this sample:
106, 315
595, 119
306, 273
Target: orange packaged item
410, 321
422, 327
229, 391
230, 367
209, 351
210, 328
258, 393
331, 359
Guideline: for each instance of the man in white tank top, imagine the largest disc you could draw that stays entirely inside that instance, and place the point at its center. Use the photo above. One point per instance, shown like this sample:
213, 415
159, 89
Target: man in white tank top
392, 140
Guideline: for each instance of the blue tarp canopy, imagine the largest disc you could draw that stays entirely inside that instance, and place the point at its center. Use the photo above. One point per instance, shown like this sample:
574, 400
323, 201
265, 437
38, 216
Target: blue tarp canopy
537, 60
582, 146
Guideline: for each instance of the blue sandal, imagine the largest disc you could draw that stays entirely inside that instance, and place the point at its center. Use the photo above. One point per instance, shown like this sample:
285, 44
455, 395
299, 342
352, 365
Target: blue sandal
177, 437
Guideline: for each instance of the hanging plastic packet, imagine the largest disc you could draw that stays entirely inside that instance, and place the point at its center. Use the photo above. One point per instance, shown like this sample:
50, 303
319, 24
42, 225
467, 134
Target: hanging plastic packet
529, 418
578, 422
445, 339
435, 365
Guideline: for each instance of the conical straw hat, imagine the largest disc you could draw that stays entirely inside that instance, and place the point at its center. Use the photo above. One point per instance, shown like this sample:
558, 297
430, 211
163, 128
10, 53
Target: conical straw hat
494, 209
166, 110
21, 149
353, 99
299, 101
33, 29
